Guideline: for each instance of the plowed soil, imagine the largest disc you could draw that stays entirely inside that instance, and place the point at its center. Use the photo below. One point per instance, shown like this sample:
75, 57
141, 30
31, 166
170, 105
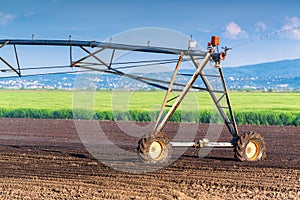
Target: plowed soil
45, 159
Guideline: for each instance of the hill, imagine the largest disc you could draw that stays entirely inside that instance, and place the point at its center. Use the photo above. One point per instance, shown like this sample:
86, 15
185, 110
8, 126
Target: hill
280, 75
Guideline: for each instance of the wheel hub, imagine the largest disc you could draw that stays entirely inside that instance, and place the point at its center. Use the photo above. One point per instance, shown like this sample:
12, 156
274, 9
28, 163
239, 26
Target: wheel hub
156, 150
253, 150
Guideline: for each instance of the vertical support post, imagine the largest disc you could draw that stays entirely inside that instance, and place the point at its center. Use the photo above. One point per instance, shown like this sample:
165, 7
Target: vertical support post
229, 104
111, 59
184, 92
17, 59
71, 59
169, 90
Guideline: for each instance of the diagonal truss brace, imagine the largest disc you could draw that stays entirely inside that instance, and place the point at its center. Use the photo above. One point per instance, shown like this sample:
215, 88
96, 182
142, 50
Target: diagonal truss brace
169, 90
90, 54
229, 121
182, 95
206, 56
10, 66
18, 72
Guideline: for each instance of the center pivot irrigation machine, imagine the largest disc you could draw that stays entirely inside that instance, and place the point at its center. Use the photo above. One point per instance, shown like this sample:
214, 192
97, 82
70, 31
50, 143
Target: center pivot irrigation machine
156, 147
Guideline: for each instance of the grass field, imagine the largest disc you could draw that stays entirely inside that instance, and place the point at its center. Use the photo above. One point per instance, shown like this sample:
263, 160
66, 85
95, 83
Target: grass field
56, 99
250, 107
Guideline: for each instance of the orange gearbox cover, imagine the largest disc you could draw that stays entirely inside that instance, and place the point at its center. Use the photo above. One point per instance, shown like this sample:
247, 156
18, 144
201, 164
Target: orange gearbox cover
215, 40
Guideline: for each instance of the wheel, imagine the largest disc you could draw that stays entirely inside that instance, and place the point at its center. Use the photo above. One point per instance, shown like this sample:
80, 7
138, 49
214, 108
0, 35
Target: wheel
154, 148
250, 146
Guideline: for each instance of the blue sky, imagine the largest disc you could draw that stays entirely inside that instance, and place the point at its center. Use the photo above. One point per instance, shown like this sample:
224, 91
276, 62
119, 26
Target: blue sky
235, 21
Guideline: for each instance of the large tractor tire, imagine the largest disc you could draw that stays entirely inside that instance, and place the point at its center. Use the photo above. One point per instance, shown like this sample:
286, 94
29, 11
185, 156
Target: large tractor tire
250, 146
154, 148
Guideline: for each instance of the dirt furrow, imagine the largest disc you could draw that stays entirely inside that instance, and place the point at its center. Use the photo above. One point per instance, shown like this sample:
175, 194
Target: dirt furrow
44, 159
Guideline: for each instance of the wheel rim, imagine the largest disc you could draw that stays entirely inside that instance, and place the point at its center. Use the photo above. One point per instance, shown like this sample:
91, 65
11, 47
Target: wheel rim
253, 150
156, 150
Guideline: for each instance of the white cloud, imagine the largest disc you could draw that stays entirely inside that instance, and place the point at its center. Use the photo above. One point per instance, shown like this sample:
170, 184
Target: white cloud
204, 30
6, 18
260, 26
29, 14
234, 31
291, 28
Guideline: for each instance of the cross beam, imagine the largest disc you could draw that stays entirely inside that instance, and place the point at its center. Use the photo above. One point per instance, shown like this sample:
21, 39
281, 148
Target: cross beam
109, 45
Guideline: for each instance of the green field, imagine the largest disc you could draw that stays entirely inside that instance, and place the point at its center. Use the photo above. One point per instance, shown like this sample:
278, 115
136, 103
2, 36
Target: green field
56, 99
258, 105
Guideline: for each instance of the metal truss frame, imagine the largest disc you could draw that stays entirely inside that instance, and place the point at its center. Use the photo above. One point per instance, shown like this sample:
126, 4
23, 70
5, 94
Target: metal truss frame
211, 55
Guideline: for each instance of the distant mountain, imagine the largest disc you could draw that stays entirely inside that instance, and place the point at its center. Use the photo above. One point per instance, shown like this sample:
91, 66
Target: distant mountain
280, 75
283, 74
284, 69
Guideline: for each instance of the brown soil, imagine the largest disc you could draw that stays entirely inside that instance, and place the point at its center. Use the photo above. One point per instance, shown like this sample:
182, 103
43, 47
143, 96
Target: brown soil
45, 159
